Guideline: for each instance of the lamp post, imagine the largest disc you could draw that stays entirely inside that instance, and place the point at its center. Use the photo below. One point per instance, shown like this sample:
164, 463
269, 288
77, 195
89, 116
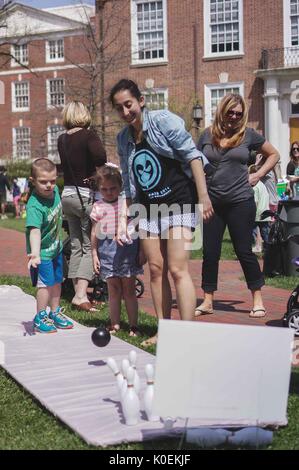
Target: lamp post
197, 117
42, 148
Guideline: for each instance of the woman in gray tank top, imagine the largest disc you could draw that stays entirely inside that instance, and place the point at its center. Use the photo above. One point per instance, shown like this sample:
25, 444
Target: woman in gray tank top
227, 145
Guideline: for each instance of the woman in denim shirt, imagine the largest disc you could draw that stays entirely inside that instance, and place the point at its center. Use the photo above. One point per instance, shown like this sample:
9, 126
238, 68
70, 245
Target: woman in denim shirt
158, 159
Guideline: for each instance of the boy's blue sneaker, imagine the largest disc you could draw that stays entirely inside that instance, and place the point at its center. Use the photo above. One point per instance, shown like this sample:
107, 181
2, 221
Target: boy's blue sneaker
43, 324
60, 320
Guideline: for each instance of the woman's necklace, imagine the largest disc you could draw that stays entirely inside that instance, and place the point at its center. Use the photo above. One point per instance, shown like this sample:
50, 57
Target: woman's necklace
138, 135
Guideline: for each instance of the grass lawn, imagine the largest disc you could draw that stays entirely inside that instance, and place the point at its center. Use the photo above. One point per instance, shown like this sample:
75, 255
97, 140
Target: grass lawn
13, 223
25, 424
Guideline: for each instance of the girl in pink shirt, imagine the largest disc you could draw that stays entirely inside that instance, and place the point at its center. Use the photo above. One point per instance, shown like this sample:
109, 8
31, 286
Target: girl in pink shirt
118, 265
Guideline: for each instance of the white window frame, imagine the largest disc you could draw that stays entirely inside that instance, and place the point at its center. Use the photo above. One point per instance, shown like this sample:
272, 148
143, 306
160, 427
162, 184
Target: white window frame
207, 35
49, 104
16, 109
208, 96
13, 62
53, 155
14, 140
134, 35
292, 53
156, 91
55, 59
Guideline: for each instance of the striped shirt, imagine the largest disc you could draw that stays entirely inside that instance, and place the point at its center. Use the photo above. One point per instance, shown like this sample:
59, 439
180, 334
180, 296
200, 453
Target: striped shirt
106, 213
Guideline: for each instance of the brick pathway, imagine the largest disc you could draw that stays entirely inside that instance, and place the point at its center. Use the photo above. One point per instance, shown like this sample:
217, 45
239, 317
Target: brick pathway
232, 299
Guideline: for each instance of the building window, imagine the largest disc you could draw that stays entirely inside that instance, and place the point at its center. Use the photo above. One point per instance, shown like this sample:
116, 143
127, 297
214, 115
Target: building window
214, 94
21, 142
156, 99
20, 96
19, 54
55, 95
294, 13
55, 51
53, 134
149, 31
224, 30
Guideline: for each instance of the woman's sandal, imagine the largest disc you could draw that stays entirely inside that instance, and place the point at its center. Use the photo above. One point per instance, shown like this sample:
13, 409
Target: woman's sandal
85, 306
113, 329
257, 313
202, 311
134, 331
150, 342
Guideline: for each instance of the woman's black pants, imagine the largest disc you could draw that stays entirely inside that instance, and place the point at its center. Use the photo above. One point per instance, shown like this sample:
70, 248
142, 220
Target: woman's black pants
239, 218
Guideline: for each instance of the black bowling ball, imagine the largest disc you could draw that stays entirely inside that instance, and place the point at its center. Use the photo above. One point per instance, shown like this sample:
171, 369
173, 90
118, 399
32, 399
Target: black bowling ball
100, 337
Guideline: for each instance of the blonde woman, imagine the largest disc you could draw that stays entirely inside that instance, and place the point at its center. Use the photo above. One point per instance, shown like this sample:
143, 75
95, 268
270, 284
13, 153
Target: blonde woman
81, 153
227, 145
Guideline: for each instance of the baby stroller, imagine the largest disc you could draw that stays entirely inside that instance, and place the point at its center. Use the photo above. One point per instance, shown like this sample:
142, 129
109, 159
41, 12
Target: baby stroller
99, 287
291, 317
274, 264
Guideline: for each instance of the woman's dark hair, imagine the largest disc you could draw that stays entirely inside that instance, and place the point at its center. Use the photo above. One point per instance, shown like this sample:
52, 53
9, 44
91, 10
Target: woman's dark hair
294, 160
122, 85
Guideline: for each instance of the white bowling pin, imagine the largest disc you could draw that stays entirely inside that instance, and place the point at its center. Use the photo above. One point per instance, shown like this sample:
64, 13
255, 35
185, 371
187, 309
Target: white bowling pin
124, 367
111, 363
149, 393
130, 402
133, 360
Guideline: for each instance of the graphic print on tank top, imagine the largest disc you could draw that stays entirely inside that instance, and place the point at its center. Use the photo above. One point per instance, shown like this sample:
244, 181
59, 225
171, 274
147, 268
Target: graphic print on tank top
160, 179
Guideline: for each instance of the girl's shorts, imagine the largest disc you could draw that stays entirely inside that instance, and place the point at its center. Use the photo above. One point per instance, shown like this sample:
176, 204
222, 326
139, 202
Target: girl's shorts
118, 261
48, 273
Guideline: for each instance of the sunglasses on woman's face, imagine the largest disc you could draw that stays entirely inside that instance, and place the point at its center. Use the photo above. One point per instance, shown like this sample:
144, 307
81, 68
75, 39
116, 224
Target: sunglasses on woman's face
232, 113
295, 149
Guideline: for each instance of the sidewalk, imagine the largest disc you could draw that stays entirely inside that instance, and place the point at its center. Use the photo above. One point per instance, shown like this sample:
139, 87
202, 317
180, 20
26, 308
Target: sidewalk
233, 300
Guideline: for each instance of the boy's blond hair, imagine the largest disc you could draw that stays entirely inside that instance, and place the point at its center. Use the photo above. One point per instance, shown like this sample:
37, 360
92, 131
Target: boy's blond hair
42, 164
75, 114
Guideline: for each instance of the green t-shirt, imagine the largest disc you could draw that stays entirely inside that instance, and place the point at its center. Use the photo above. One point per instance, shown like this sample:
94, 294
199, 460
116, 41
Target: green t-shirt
45, 214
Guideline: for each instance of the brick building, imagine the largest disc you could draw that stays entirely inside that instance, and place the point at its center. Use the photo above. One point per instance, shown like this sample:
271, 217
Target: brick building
40, 51
179, 51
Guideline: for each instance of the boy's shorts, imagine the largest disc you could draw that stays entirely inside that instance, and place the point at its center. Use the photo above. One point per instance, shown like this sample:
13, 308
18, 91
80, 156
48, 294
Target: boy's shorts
48, 273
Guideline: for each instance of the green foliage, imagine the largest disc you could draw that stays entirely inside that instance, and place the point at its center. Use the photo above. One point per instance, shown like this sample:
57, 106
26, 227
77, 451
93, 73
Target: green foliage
183, 109
18, 168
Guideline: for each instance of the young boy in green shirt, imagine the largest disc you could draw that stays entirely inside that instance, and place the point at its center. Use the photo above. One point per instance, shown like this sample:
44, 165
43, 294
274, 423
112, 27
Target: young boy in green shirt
44, 246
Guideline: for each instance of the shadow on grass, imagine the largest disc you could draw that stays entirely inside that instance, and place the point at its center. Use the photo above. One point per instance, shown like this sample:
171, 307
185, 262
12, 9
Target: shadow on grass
294, 383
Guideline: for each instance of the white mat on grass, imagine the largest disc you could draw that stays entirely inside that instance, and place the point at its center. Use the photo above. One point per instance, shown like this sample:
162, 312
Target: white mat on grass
68, 375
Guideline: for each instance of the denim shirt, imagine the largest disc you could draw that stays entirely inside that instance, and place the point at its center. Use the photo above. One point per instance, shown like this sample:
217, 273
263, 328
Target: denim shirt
165, 132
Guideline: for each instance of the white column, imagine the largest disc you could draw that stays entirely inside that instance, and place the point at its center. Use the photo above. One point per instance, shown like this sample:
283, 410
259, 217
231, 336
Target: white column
272, 112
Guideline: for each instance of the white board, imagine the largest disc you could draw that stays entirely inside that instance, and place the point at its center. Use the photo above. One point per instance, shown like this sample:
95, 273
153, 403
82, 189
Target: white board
223, 374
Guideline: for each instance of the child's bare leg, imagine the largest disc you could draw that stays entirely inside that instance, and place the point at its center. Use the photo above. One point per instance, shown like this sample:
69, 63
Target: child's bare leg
42, 298
114, 295
55, 292
129, 294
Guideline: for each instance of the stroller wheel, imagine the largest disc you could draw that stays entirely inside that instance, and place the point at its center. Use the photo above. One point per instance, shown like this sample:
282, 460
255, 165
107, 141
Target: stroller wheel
293, 302
292, 321
139, 287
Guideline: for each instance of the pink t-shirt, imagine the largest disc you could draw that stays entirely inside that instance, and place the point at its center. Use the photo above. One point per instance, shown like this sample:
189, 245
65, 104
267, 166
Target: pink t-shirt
107, 214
